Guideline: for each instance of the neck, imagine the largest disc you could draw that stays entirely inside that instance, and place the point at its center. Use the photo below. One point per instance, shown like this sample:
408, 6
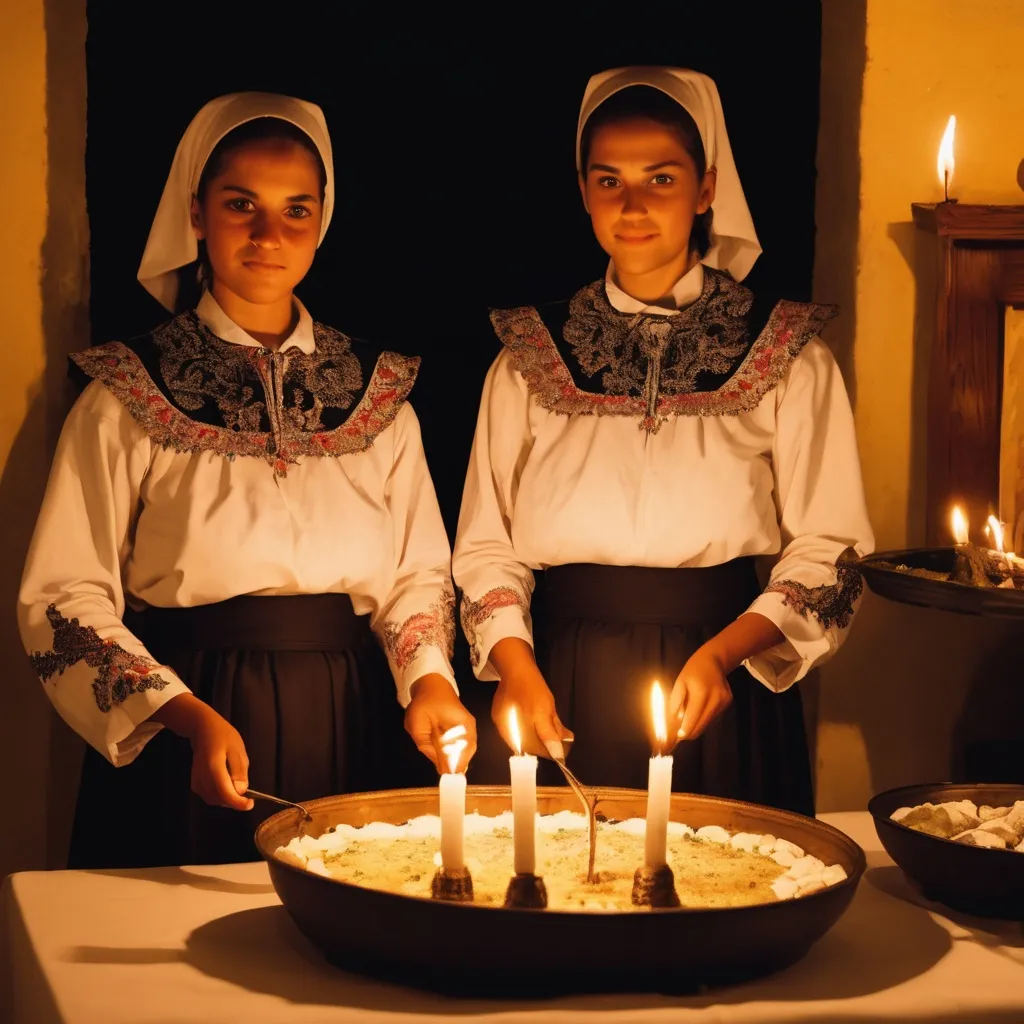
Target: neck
654, 286
270, 324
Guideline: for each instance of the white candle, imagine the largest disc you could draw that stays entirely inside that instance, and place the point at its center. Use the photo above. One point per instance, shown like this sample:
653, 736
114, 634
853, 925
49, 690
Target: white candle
524, 802
453, 801
659, 789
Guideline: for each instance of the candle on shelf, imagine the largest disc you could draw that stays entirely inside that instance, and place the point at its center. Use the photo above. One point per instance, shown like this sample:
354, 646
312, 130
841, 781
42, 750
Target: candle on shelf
659, 787
452, 880
524, 801
526, 888
453, 801
994, 529
967, 565
946, 161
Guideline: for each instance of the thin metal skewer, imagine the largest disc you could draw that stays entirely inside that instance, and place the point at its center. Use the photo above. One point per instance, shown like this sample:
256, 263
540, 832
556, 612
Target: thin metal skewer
257, 795
591, 809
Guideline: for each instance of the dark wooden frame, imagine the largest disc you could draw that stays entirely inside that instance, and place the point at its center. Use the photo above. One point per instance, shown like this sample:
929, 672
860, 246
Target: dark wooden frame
980, 271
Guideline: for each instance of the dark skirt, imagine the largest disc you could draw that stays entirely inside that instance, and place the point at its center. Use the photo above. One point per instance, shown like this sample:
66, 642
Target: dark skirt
603, 634
307, 686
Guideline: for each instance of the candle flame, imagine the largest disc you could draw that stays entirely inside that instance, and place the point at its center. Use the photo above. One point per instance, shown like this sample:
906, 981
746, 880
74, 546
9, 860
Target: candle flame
658, 714
946, 162
452, 746
995, 531
959, 524
513, 728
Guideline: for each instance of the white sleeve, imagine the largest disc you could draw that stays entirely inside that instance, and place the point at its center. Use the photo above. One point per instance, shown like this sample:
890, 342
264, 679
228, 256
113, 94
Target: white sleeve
100, 678
496, 586
812, 597
414, 608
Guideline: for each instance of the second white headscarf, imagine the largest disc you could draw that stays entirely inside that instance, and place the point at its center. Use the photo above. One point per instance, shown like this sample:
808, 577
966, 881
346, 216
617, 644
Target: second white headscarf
734, 244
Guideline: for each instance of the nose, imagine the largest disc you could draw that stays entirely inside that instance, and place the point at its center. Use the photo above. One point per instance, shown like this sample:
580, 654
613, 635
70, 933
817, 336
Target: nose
633, 204
264, 234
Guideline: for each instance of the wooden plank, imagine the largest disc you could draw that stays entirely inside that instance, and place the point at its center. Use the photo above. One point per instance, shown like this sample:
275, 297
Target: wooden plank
972, 221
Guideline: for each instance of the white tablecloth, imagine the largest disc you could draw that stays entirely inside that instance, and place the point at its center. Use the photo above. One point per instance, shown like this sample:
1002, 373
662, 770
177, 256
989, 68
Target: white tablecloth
215, 945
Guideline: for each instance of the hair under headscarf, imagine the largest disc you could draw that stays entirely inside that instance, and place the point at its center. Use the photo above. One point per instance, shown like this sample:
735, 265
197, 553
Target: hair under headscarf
172, 242
734, 244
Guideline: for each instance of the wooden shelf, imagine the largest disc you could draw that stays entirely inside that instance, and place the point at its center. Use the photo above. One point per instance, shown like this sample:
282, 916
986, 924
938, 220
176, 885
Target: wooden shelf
971, 221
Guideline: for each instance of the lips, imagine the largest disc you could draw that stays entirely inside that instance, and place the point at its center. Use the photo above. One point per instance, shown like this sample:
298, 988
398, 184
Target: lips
261, 266
636, 239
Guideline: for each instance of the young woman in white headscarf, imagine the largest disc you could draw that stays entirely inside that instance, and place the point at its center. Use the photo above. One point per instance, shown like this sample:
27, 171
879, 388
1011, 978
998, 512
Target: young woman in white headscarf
238, 502
637, 447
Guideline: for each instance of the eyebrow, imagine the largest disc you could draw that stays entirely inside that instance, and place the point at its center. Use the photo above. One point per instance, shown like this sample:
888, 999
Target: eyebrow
648, 169
304, 198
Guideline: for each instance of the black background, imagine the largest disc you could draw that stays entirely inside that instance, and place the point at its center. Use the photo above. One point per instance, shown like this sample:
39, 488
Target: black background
454, 157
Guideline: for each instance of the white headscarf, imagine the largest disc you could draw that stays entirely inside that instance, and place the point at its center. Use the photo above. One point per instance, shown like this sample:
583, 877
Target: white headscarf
734, 244
172, 242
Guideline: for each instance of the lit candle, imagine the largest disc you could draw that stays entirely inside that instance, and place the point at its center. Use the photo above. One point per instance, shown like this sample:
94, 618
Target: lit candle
968, 564
958, 522
524, 801
453, 801
659, 788
995, 530
946, 161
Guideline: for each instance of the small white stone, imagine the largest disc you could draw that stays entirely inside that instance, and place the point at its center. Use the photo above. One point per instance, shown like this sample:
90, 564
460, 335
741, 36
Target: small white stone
316, 865
783, 858
677, 828
900, 813
767, 845
813, 878
745, 841
987, 812
713, 833
975, 837
785, 844
784, 888
814, 884
833, 873
805, 866
632, 826
290, 856
1020, 847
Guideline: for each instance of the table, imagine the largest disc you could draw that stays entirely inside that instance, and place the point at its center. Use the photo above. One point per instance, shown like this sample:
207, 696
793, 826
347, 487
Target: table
213, 944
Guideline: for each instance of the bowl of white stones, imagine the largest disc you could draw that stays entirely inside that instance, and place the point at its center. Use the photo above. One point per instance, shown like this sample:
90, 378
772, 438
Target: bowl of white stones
961, 844
756, 888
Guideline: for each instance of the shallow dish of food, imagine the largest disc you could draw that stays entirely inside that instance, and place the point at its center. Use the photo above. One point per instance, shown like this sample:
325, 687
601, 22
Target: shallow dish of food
587, 939
958, 843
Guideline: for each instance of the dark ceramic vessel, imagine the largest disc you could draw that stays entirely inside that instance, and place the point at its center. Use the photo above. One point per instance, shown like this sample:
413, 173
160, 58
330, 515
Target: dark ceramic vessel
501, 951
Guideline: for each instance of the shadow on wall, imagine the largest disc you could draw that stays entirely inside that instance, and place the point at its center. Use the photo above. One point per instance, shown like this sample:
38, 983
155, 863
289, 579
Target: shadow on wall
28, 720
837, 200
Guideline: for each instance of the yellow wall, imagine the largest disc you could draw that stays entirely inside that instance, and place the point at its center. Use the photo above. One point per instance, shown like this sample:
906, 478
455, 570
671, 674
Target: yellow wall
909, 679
43, 295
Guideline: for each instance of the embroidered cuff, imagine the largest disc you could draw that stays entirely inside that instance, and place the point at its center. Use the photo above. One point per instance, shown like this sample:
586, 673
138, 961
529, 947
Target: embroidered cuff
806, 644
500, 613
429, 660
130, 725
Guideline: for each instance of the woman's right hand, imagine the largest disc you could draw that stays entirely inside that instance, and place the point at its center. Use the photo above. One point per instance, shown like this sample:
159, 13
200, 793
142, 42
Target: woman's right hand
523, 687
220, 764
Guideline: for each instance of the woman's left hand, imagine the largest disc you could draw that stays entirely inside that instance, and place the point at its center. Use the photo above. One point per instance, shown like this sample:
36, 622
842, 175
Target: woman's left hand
701, 693
433, 710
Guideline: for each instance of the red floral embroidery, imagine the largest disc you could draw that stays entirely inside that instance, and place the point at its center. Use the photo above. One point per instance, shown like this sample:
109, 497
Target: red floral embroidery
474, 613
434, 628
831, 604
120, 673
790, 326
116, 366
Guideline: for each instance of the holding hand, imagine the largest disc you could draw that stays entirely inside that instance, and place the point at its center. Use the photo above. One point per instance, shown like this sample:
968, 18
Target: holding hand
523, 687
701, 693
220, 764
433, 710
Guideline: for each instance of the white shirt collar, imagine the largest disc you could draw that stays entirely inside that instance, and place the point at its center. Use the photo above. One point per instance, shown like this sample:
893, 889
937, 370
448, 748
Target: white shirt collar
226, 329
686, 290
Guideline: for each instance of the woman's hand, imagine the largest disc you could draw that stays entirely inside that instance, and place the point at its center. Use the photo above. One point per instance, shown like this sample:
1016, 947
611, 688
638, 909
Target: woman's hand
523, 687
701, 693
220, 765
433, 710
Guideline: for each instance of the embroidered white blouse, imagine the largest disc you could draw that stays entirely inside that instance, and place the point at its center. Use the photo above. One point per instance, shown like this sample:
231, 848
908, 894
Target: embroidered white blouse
145, 506
765, 465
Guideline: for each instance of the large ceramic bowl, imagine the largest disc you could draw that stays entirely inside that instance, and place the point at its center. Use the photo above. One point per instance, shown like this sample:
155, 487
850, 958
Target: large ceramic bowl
989, 883
499, 951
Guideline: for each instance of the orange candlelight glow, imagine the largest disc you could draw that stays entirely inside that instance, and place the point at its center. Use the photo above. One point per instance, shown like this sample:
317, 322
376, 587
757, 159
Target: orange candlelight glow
513, 728
959, 525
946, 163
452, 746
658, 714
